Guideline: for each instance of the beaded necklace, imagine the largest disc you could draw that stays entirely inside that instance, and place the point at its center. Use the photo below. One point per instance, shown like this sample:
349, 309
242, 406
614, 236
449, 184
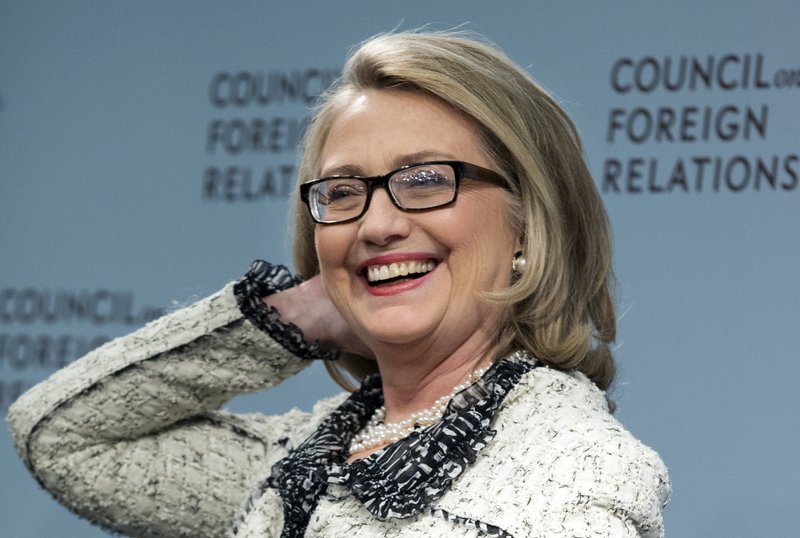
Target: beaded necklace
378, 433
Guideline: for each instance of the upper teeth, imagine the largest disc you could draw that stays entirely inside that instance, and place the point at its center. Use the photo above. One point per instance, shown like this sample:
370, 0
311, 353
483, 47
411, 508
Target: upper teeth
383, 272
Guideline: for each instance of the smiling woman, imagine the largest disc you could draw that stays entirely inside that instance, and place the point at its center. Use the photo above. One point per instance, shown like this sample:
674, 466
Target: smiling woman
454, 257
468, 243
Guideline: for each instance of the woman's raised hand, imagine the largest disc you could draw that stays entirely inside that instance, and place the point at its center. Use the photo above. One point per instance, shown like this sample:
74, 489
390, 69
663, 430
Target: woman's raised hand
309, 307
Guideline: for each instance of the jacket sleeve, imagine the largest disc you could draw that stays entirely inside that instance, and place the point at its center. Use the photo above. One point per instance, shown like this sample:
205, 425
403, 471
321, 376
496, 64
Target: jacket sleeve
630, 488
619, 486
130, 436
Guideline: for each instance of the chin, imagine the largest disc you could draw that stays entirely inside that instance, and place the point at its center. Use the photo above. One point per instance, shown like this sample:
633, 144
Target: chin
395, 331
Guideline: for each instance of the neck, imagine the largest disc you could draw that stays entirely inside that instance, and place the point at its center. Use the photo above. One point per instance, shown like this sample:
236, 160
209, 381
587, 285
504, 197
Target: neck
415, 376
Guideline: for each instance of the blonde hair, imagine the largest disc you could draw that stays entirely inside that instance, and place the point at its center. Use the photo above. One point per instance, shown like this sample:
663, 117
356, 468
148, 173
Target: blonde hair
560, 308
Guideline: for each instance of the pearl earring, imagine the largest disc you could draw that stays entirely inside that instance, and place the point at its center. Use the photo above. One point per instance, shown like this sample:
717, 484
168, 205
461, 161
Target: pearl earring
518, 263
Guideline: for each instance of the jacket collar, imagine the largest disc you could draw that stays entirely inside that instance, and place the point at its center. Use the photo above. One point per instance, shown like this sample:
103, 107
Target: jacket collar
406, 477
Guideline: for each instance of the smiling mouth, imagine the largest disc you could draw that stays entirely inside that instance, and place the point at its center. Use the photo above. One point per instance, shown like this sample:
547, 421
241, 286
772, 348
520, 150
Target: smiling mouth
379, 275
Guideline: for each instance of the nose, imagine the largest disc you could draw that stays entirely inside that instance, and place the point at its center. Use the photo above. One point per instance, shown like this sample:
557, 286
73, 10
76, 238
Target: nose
383, 222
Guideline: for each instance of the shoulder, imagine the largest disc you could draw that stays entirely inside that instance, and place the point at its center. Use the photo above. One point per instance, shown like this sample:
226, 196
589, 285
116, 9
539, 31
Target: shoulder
566, 422
565, 408
559, 454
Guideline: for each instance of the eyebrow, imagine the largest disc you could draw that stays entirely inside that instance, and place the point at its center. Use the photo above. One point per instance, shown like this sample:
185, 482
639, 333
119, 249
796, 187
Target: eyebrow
397, 162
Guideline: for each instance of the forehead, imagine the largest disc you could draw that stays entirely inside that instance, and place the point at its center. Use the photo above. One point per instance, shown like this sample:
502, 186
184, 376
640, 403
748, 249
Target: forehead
377, 130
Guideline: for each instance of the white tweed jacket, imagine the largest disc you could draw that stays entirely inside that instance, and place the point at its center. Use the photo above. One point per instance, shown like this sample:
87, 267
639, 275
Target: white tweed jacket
132, 438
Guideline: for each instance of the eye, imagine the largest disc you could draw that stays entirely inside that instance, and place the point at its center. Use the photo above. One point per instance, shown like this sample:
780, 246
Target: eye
424, 177
341, 191
427, 177
424, 186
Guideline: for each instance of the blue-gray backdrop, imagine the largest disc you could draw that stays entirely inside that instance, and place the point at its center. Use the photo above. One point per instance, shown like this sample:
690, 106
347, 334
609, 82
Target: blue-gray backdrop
130, 182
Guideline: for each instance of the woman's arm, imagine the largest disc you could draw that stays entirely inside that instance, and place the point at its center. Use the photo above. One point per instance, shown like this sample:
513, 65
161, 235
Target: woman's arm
129, 436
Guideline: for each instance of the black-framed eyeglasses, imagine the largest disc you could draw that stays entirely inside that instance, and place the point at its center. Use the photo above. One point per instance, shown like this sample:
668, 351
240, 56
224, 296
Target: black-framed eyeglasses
414, 187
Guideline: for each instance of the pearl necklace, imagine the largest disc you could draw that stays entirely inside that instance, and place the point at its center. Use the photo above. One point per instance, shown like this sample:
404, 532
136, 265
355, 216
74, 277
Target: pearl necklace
379, 433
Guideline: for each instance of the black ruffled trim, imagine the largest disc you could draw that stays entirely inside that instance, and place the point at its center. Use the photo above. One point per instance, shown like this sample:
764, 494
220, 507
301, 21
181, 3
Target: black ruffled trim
301, 477
485, 528
403, 479
264, 279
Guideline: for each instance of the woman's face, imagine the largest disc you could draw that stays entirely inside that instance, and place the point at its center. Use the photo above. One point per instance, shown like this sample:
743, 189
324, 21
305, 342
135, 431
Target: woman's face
457, 251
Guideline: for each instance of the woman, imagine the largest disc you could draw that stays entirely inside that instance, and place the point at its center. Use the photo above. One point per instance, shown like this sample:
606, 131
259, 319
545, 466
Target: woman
451, 238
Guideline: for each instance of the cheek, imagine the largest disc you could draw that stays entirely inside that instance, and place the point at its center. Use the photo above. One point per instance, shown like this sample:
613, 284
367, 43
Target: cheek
332, 247
483, 260
318, 244
325, 256
483, 231
328, 248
